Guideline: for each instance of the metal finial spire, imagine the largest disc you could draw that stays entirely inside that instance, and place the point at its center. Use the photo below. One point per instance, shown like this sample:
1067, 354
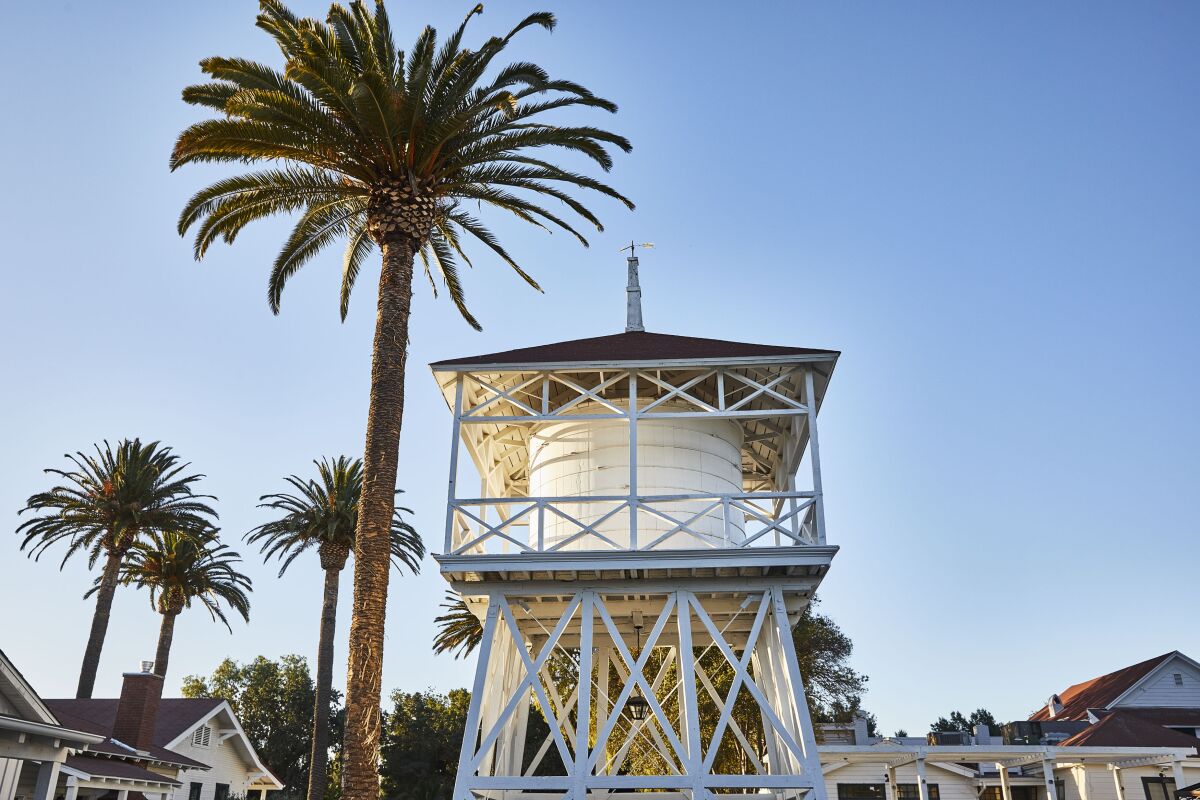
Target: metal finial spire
633, 290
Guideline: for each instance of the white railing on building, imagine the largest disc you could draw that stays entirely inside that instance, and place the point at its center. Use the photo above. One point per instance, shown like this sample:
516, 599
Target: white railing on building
518, 525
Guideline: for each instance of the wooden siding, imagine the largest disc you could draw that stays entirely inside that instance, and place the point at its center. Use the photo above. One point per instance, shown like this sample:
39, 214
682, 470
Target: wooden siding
228, 766
1159, 688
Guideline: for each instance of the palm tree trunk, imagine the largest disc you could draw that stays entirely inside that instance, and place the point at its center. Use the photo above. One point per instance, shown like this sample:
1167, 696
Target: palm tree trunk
318, 761
104, 598
372, 553
166, 634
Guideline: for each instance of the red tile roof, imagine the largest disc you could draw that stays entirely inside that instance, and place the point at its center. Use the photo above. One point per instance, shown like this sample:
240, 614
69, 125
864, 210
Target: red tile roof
1099, 692
633, 347
1125, 729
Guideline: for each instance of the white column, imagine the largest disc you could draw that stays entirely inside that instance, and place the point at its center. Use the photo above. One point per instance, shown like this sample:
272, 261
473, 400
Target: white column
1177, 773
1081, 780
891, 787
1116, 772
123, 794
922, 782
1048, 773
73, 788
47, 780
262, 794
1005, 789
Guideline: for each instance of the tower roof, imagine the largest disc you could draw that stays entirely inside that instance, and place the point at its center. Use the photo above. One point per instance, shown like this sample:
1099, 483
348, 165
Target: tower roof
633, 347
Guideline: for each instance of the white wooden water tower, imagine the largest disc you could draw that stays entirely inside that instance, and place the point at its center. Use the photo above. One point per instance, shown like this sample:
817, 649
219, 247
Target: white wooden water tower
638, 517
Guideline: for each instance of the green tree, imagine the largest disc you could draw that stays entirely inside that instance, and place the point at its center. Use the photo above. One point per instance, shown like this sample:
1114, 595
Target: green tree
384, 149
323, 514
106, 504
274, 702
179, 569
422, 736
965, 722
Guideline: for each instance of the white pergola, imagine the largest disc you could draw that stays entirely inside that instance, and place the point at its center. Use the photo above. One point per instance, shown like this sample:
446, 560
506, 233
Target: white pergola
1046, 759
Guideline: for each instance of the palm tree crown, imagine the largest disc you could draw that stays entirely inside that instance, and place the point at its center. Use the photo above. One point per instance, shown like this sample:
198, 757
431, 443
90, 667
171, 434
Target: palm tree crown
380, 145
459, 630
181, 569
112, 499
107, 505
323, 513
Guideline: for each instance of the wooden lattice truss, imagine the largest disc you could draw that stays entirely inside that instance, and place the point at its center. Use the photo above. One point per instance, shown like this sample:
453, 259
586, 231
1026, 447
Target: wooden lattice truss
687, 656
770, 401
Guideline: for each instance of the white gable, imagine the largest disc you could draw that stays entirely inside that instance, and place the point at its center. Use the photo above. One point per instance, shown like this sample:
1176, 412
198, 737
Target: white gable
1173, 684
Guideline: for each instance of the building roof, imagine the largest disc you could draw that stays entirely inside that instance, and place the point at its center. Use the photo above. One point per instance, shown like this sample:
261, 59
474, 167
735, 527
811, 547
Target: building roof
1099, 692
1124, 729
113, 768
175, 715
632, 346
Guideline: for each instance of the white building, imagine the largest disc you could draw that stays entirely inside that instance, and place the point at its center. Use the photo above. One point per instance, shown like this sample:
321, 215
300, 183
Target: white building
1130, 734
160, 748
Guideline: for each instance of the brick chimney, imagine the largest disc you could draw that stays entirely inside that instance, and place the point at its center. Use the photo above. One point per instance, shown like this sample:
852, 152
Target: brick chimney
138, 707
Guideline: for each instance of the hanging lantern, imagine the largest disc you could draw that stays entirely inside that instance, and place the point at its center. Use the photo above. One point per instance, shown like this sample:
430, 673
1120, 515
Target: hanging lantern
637, 706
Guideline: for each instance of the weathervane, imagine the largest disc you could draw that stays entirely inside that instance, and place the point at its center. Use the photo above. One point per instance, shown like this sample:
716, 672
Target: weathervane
633, 290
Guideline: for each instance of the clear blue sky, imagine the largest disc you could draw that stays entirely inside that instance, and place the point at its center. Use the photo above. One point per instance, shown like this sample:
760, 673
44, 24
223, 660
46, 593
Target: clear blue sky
991, 209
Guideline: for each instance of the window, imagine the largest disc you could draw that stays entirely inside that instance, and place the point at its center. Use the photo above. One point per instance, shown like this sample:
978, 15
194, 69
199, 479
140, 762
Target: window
222, 792
908, 791
1159, 788
1178, 678
194, 790
860, 791
202, 737
1017, 792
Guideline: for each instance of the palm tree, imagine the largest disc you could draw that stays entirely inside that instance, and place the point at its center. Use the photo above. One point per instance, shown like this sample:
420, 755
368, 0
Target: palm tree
459, 630
106, 504
324, 514
179, 569
384, 149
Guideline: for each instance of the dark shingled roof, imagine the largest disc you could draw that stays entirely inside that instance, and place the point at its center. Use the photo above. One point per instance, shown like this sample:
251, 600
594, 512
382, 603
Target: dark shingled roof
633, 347
1099, 692
1122, 729
175, 715
112, 768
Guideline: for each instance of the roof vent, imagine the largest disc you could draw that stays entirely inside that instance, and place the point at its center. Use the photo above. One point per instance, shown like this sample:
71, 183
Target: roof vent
1054, 706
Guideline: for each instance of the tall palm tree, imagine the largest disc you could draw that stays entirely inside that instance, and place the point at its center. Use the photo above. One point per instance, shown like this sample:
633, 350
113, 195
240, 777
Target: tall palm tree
179, 569
384, 149
459, 630
324, 514
106, 504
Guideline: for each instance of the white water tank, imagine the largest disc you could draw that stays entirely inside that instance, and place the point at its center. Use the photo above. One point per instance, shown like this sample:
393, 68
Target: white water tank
590, 458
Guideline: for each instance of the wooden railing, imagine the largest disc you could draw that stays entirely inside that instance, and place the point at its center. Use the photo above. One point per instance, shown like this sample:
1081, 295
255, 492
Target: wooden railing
516, 525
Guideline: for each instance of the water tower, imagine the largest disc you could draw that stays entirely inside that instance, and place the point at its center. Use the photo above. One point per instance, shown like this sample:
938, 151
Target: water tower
638, 551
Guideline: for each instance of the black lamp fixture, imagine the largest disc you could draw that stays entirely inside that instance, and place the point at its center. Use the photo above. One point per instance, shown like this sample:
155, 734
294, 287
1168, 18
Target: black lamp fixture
636, 704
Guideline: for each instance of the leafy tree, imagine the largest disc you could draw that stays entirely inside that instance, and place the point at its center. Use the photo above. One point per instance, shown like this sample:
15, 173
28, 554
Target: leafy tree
274, 702
323, 514
900, 733
833, 688
178, 569
966, 723
106, 504
384, 149
422, 736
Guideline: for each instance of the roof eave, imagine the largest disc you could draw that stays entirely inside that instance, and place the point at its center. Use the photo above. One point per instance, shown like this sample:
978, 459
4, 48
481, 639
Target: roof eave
798, 358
